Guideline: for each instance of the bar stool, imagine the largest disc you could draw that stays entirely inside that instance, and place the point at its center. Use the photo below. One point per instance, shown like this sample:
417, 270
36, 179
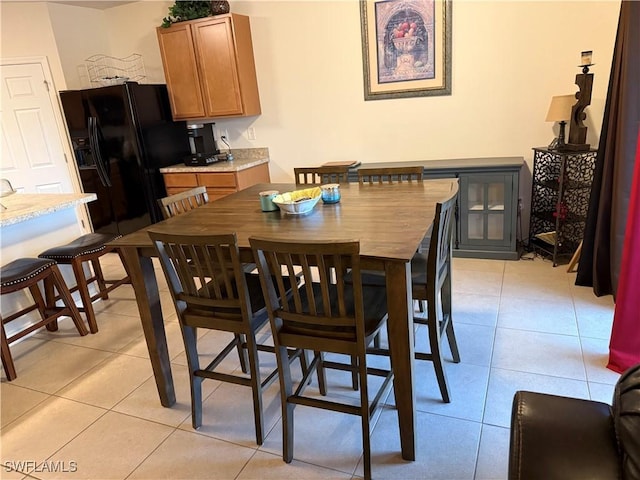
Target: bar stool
26, 273
87, 248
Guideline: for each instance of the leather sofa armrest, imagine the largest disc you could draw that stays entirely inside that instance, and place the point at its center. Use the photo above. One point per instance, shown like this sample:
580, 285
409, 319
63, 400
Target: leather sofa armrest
564, 438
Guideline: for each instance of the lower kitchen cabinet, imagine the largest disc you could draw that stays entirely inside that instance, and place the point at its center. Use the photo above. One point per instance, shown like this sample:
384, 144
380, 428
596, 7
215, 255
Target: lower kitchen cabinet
219, 183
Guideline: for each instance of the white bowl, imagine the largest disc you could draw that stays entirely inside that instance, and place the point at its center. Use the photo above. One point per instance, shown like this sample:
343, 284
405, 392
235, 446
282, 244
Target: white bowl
298, 201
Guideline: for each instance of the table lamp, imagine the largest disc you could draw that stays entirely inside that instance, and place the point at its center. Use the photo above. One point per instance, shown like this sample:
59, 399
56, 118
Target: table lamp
560, 111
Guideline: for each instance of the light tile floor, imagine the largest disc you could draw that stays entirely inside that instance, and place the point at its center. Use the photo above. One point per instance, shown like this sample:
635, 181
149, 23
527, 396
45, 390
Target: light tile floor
90, 408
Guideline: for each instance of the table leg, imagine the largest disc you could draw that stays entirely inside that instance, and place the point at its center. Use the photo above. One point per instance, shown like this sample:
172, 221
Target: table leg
400, 327
145, 286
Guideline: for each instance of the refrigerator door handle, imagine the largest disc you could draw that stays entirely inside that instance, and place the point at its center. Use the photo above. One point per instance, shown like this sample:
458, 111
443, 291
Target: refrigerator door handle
95, 148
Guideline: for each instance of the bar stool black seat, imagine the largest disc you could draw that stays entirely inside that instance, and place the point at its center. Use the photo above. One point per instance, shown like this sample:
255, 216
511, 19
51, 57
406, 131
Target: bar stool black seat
87, 248
26, 273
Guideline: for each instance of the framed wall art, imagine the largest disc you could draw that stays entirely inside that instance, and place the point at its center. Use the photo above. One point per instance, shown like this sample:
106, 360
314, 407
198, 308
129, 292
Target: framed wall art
406, 48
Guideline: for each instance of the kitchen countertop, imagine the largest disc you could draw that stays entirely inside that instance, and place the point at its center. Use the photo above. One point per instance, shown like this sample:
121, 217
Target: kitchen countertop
26, 206
244, 158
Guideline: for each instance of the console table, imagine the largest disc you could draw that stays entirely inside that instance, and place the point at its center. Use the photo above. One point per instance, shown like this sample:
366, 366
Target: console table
487, 207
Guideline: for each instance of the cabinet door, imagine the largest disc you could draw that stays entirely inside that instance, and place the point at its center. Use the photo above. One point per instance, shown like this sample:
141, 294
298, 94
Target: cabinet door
181, 71
188, 180
486, 204
218, 63
219, 180
224, 50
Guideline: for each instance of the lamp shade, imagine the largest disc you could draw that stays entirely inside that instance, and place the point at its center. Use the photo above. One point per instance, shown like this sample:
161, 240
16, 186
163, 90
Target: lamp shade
560, 108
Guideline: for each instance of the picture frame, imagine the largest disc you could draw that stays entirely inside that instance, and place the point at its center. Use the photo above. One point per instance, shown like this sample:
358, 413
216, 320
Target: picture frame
406, 48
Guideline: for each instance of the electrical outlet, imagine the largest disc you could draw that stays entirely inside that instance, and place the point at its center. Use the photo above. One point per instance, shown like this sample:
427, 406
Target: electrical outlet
251, 133
224, 133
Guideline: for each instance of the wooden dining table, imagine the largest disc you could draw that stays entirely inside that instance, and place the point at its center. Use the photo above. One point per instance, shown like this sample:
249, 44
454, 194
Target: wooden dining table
390, 221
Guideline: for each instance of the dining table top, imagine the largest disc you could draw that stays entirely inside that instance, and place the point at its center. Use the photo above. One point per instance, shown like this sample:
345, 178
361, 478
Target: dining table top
389, 220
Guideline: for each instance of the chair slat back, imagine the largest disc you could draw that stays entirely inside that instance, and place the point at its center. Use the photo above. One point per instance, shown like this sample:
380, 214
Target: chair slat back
389, 175
320, 175
183, 202
324, 306
439, 257
204, 274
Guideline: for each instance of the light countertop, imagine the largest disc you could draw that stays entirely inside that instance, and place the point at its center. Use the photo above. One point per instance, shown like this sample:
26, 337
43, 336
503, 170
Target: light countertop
26, 206
244, 158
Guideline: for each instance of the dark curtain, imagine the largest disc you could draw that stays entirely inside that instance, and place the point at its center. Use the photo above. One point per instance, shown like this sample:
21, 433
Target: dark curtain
602, 246
624, 345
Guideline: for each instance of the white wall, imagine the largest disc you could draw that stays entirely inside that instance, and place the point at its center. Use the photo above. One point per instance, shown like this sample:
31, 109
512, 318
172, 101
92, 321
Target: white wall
136, 33
509, 59
80, 33
26, 31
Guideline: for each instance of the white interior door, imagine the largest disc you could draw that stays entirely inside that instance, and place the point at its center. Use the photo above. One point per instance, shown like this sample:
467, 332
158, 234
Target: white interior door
33, 157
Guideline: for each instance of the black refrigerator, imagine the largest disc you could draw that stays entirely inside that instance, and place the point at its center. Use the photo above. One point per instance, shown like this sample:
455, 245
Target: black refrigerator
122, 135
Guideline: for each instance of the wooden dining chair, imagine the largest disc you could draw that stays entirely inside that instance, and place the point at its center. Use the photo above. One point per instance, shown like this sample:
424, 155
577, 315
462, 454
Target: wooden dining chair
389, 175
431, 286
183, 202
320, 175
210, 290
323, 316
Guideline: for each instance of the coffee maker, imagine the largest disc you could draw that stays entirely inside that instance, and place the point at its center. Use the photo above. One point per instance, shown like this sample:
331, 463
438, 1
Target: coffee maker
203, 145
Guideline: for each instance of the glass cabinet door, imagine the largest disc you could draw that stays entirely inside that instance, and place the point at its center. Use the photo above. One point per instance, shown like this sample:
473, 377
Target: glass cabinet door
485, 205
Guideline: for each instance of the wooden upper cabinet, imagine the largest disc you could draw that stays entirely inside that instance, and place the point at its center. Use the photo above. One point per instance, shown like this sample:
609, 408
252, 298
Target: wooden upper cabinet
181, 71
209, 67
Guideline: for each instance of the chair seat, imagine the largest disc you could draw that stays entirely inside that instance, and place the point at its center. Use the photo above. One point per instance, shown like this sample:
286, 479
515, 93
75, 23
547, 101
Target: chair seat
84, 245
418, 272
419, 268
375, 311
22, 269
86, 248
193, 313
